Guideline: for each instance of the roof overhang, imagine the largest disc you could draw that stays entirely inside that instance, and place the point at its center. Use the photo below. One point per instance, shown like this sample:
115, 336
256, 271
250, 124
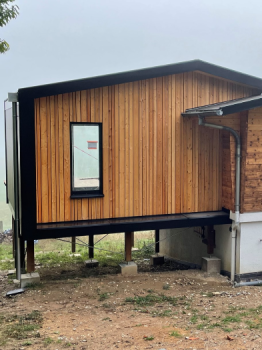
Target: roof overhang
141, 74
226, 107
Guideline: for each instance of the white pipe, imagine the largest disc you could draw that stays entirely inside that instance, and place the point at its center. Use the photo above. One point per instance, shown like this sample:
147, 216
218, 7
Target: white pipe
233, 254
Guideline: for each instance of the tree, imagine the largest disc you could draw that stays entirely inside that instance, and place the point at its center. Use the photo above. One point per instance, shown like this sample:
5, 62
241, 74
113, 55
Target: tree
7, 12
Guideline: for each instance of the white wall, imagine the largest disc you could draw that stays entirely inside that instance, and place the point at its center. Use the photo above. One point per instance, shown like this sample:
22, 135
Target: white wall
183, 244
186, 245
250, 247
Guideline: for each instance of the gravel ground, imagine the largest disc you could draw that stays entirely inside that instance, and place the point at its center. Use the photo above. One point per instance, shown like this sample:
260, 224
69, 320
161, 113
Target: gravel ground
152, 310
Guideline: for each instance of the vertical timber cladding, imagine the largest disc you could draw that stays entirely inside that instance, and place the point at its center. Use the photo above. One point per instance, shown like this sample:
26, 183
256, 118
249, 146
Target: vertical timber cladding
154, 161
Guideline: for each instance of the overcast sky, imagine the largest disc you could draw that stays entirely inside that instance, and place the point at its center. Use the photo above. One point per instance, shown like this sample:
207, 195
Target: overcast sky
56, 40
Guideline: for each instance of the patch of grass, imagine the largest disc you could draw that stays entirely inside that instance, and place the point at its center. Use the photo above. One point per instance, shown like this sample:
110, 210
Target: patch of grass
151, 337
151, 299
227, 329
106, 306
52, 259
166, 286
19, 331
214, 325
175, 334
204, 317
150, 291
194, 319
165, 313
48, 341
231, 319
37, 285
103, 296
106, 319
27, 343
201, 326
67, 345
19, 327
254, 324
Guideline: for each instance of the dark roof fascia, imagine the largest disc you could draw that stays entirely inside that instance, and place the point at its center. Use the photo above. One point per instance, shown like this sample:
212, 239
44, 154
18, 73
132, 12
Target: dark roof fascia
221, 111
140, 74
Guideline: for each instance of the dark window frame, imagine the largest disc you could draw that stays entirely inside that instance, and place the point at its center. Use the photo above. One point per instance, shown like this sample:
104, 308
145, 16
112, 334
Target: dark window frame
85, 193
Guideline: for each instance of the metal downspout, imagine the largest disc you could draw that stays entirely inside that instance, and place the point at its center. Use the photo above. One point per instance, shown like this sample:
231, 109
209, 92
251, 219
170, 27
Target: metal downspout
237, 190
16, 188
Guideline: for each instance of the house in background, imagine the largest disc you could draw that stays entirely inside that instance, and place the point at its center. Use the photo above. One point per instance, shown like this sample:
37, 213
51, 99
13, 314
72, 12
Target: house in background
152, 149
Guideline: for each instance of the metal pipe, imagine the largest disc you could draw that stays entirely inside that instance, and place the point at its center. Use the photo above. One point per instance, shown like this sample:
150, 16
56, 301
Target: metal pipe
252, 283
237, 189
16, 189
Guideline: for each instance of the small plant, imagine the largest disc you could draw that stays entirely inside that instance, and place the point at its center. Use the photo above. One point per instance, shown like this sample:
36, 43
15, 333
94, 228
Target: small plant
165, 313
151, 299
204, 317
103, 296
175, 334
150, 291
106, 319
201, 326
227, 329
194, 319
27, 343
231, 319
34, 285
166, 286
48, 341
151, 337
67, 345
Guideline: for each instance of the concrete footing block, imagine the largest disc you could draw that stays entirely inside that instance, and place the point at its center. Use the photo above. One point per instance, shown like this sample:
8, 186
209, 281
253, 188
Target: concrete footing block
157, 259
211, 265
128, 269
29, 278
91, 263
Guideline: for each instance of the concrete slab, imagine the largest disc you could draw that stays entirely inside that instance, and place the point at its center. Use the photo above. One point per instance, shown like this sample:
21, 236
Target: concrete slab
29, 278
91, 263
157, 259
128, 269
211, 265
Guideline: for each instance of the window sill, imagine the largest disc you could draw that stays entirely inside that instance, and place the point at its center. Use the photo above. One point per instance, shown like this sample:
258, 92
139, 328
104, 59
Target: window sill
87, 195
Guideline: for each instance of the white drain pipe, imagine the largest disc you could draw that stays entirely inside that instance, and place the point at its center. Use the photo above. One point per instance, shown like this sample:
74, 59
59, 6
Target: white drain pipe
237, 190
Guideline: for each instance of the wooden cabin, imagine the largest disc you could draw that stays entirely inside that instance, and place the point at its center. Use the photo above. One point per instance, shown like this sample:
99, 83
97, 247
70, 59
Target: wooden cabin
119, 153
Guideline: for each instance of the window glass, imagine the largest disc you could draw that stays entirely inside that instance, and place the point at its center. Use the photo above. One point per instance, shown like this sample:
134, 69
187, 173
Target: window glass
85, 165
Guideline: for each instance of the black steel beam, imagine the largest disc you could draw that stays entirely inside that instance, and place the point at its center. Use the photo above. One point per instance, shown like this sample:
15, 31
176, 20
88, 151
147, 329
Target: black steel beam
97, 227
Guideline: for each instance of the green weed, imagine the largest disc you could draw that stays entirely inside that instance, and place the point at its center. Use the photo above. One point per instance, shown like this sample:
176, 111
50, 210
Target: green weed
151, 337
151, 299
175, 334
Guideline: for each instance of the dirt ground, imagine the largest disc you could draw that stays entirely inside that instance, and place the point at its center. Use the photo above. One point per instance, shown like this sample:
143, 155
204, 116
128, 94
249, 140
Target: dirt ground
153, 310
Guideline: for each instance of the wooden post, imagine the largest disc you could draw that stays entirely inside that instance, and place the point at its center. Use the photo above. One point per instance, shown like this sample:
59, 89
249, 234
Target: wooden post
73, 244
91, 247
133, 239
128, 246
30, 249
156, 241
211, 239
